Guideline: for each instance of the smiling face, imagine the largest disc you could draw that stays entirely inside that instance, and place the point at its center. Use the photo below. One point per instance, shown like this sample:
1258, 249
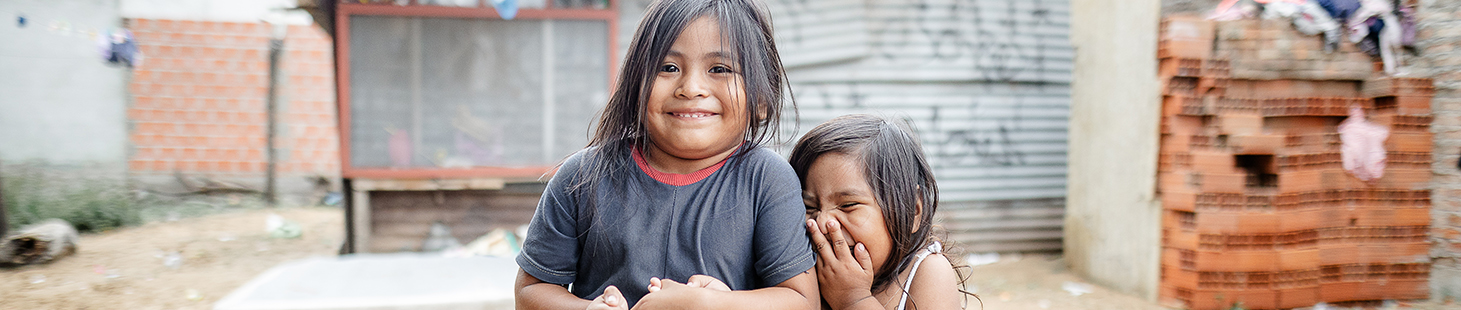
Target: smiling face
697, 105
835, 189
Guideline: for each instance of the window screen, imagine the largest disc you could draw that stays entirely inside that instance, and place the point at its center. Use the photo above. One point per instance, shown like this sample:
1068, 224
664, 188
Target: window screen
462, 93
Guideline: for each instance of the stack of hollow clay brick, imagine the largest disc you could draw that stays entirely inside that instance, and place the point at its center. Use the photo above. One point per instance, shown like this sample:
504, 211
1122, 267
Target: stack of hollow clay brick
1258, 209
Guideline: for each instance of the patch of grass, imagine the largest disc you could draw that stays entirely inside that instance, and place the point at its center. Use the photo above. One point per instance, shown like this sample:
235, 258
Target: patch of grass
89, 204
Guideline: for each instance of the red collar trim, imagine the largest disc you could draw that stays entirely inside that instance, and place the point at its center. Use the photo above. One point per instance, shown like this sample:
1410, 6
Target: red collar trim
675, 179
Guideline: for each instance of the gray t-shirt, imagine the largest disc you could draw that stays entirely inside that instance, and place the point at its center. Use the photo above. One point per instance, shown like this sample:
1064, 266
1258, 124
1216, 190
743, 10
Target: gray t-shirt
742, 223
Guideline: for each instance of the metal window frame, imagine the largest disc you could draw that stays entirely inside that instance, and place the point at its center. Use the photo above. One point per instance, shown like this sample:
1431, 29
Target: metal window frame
344, 11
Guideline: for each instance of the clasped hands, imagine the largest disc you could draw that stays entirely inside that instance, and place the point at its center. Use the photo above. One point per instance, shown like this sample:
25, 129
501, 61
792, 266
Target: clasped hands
663, 294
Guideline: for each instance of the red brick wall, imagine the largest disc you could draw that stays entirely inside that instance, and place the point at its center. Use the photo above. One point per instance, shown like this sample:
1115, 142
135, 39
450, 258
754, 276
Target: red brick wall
307, 110
198, 100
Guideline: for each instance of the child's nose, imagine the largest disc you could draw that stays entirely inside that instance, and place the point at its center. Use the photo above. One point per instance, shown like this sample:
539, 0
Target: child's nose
823, 218
693, 86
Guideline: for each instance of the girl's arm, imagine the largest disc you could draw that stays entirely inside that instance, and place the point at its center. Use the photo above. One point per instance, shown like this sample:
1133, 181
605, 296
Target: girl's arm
797, 293
936, 286
530, 293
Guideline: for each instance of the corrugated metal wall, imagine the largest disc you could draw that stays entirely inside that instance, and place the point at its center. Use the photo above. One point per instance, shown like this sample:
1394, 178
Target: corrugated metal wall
985, 82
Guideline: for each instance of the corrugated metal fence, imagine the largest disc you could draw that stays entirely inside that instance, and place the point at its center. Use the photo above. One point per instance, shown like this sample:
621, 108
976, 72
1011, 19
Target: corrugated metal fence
985, 82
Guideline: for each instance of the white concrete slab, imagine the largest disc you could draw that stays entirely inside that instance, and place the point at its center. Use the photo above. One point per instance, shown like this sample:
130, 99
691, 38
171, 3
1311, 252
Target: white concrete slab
379, 282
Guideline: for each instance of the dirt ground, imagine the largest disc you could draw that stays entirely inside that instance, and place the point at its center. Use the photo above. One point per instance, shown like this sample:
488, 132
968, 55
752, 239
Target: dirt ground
1034, 282
125, 268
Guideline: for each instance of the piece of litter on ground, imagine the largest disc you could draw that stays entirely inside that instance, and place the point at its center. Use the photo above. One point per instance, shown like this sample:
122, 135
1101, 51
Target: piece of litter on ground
1004, 296
280, 228
98, 269
227, 238
173, 260
37, 279
1076, 289
1043, 303
980, 259
194, 295
1014, 257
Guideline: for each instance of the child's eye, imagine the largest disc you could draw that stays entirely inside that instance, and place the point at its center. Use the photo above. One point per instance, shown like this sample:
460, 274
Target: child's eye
847, 205
669, 68
720, 69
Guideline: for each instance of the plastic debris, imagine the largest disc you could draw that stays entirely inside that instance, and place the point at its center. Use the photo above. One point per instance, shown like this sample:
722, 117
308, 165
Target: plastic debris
227, 238
333, 199
172, 260
1076, 288
980, 259
194, 295
499, 242
280, 228
440, 239
1362, 146
37, 279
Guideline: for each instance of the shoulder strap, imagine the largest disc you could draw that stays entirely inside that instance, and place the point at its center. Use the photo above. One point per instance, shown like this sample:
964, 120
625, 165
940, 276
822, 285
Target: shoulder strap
935, 247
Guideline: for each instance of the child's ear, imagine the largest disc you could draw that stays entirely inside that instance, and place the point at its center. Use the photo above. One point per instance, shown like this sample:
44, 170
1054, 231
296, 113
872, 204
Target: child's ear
917, 209
761, 112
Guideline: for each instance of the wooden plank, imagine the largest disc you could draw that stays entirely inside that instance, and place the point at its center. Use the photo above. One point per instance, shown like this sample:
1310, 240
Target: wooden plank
430, 184
360, 209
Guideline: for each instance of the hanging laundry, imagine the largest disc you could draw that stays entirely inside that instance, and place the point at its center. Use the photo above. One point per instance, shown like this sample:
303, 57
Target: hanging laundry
1362, 146
1340, 10
118, 47
505, 8
1406, 14
1389, 32
1230, 10
1309, 18
1367, 39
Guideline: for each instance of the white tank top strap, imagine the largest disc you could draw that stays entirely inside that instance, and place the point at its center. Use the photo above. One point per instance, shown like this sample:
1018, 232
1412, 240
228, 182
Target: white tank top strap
934, 247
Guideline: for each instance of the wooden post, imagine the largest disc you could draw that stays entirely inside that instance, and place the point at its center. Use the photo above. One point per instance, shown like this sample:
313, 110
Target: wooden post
270, 196
4, 221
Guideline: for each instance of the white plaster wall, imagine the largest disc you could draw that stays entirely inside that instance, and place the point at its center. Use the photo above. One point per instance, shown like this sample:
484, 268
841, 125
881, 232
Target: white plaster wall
60, 103
243, 11
1113, 219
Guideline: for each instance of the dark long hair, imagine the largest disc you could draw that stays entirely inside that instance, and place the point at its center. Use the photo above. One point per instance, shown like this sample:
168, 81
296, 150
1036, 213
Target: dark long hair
894, 166
746, 31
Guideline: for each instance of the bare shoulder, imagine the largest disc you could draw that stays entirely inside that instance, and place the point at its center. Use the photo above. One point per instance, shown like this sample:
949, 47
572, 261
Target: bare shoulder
936, 286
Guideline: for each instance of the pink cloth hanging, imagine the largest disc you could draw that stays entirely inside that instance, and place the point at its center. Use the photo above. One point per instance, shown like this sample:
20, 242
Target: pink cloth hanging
1362, 148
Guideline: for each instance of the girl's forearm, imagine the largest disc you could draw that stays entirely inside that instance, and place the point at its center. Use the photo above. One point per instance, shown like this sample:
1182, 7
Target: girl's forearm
798, 293
771, 298
533, 294
868, 303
